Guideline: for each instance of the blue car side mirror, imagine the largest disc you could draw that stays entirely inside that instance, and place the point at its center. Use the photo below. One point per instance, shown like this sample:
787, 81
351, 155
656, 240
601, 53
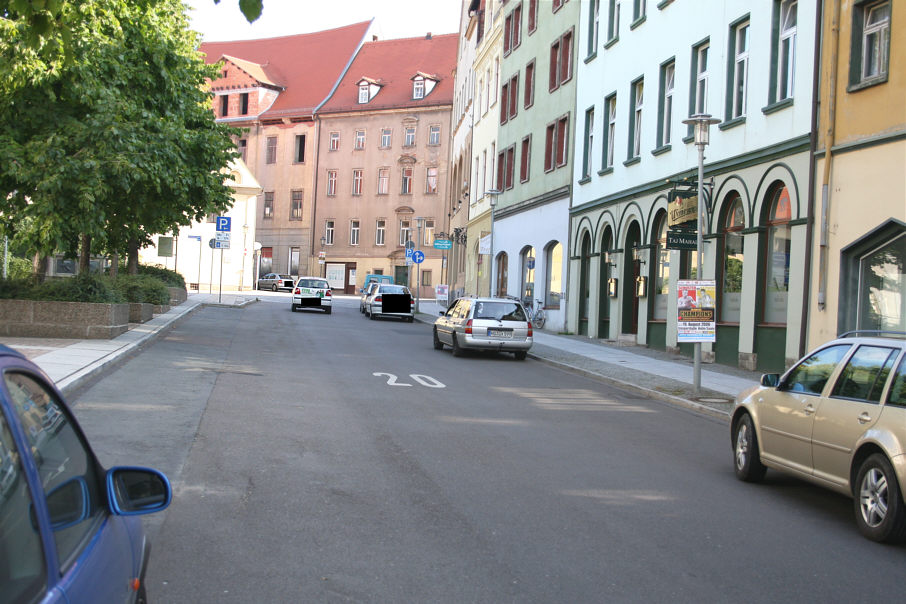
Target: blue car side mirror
134, 491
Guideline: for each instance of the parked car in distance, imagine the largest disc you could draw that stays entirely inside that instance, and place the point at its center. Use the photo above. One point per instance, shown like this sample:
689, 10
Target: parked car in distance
388, 300
367, 291
837, 418
312, 292
69, 527
375, 278
484, 324
275, 282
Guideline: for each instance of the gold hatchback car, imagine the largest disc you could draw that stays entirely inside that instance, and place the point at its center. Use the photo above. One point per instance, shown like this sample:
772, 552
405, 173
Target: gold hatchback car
837, 418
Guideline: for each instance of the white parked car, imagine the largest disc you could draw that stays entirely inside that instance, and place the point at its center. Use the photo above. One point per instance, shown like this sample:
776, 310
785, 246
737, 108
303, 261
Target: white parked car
388, 300
312, 292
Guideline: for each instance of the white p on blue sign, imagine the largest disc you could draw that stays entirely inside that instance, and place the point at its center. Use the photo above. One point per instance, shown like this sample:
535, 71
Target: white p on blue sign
223, 223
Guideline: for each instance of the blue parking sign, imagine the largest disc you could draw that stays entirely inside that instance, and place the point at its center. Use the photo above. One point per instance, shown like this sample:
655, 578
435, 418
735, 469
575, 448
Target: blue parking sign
223, 223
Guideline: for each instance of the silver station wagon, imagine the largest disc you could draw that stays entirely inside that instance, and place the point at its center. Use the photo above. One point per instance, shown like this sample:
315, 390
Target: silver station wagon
837, 418
484, 324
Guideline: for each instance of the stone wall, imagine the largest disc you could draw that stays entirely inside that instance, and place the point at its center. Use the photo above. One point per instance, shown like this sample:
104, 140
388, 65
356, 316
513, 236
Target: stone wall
33, 318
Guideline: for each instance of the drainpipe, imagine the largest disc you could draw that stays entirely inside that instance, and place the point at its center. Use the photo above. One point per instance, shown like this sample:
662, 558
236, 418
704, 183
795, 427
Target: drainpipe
314, 194
829, 133
810, 209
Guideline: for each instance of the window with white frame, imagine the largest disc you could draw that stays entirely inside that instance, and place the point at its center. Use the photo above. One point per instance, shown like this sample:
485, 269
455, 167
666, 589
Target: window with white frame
434, 135
331, 183
613, 20
357, 182
364, 93
353, 232
871, 41
268, 205
383, 181
484, 173
359, 139
589, 141
478, 92
666, 104
740, 78
409, 140
594, 8
431, 180
635, 132
700, 72
295, 208
406, 182
611, 103
429, 233
385, 138
786, 50
380, 227
328, 232
418, 88
334, 141
405, 231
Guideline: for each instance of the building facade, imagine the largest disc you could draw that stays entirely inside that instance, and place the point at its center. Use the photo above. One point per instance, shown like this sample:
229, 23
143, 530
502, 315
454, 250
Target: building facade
383, 163
533, 163
749, 65
271, 89
858, 260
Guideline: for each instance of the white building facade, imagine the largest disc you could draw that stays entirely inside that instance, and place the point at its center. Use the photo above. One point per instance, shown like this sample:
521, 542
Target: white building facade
644, 67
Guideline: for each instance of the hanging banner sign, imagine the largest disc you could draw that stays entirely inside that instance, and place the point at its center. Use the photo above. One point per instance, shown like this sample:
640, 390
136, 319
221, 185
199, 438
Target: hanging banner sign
682, 239
696, 312
682, 208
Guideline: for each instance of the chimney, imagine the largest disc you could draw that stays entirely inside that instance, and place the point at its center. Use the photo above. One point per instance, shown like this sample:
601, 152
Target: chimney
374, 38
428, 37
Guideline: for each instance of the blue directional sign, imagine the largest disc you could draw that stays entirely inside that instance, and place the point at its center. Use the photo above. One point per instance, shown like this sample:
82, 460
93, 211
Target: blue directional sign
418, 257
223, 223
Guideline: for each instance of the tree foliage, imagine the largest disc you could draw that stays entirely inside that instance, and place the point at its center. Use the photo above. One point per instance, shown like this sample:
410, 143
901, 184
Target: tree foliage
106, 132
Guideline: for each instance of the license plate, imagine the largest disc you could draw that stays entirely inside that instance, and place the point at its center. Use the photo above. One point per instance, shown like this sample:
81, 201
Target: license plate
500, 333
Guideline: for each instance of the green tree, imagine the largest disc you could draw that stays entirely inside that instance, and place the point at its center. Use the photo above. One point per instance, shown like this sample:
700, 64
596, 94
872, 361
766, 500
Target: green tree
114, 140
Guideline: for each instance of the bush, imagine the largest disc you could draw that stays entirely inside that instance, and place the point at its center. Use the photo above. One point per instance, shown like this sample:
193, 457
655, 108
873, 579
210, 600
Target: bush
169, 277
142, 288
19, 268
81, 288
17, 289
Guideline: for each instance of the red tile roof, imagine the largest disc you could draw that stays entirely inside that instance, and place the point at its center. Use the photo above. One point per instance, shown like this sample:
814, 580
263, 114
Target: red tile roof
393, 63
307, 65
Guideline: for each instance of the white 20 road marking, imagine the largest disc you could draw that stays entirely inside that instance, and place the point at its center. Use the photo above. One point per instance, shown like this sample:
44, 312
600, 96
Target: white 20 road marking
425, 380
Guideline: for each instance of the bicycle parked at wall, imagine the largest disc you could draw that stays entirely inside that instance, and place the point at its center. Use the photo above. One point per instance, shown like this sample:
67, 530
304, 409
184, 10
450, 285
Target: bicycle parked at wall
535, 311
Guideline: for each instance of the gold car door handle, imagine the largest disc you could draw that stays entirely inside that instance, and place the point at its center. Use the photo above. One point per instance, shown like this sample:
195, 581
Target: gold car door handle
864, 418
809, 409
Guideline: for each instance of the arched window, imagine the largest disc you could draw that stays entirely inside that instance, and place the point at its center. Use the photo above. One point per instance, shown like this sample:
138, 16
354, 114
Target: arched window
731, 273
554, 275
528, 275
777, 273
501, 273
662, 268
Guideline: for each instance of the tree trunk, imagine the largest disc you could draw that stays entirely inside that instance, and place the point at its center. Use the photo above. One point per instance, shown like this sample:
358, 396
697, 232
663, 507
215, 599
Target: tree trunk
39, 267
132, 260
114, 265
84, 254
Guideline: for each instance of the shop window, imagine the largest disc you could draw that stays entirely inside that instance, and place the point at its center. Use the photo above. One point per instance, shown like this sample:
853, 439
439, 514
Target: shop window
731, 268
777, 273
662, 269
553, 270
527, 261
873, 280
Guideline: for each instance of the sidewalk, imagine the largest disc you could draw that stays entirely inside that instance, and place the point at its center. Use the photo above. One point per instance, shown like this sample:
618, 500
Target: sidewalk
651, 373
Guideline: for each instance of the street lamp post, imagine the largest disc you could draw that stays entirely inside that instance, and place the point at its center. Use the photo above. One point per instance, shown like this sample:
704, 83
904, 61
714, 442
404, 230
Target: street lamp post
701, 122
493, 193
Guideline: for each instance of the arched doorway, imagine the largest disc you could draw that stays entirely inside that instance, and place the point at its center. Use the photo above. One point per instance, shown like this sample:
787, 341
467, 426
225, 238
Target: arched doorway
630, 308
659, 292
770, 335
603, 290
729, 291
584, 293
527, 281
500, 274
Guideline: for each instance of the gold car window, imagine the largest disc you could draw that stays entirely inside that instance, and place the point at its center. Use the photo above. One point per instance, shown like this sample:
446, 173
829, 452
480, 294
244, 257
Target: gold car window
811, 375
865, 374
897, 394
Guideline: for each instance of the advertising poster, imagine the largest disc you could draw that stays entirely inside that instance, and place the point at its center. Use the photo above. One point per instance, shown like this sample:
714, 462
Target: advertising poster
695, 308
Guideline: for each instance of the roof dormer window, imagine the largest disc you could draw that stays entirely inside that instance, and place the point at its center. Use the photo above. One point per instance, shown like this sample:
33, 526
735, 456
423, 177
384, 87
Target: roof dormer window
368, 89
422, 85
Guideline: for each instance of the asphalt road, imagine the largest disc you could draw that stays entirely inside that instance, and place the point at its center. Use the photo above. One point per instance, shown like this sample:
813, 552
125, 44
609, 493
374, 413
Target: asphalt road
329, 458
